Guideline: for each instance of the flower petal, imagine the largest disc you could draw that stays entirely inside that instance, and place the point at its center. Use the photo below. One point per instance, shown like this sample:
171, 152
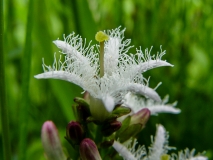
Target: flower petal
199, 158
143, 67
65, 47
123, 151
144, 90
158, 147
111, 55
137, 103
62, 75
163, 109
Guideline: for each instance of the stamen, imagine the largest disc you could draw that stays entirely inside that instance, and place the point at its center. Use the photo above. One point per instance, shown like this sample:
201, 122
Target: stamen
101, 37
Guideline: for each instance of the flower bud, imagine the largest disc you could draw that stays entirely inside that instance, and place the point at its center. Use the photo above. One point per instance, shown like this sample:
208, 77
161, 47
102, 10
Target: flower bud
141, 117
74, 132
133, 124
51, 142
89, 150
111, 127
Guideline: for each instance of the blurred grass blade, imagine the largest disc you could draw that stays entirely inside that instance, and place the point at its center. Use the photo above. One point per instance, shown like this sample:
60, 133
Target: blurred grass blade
84, 21
26, 62
3, 105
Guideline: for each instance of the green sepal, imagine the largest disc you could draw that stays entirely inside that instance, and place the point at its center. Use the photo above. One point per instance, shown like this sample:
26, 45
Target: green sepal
74, 146
118, 112
124, 126
74, 109
92, 119
82, 103
131, 131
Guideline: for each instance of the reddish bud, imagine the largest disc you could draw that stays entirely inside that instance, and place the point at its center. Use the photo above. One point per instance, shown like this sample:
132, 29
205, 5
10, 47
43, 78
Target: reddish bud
51, 142
74, 132
141, 117
89, 150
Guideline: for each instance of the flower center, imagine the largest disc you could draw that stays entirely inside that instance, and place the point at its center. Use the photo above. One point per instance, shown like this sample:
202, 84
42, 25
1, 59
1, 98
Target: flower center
101, 37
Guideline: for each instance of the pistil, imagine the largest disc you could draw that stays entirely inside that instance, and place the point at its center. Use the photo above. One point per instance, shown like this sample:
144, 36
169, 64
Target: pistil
101, 37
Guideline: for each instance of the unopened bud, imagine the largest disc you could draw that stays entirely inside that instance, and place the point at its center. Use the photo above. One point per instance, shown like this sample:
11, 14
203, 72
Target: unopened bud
111, 127
51, 142
89, 150
74, 132
133, 124
141, 117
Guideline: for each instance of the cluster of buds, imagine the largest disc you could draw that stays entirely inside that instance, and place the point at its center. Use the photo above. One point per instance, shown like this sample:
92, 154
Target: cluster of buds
88, 135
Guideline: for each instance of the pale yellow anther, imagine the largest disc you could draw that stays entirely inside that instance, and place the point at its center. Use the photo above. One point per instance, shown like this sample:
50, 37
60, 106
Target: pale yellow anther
101, 36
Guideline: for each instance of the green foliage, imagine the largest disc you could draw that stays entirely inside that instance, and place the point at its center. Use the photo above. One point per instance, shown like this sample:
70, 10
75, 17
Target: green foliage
183, 28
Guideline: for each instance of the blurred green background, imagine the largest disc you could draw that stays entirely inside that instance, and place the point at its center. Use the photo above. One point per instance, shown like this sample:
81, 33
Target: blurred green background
183, 28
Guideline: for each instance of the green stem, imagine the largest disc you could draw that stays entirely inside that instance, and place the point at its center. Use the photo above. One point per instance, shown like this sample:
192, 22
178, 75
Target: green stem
101, 59
99, 135
3, 105
26, 63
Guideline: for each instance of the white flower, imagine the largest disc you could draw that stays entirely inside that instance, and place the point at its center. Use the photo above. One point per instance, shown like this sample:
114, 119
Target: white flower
158, 149
137, 103
122, 71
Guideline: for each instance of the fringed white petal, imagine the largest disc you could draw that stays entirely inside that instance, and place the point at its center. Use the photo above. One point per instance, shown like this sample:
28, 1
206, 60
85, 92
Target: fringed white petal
199, 158
159, 145
143, 67
77, 52
65, 47
123, 151
187, 155
163, 109
144, 90
62, 75
111, 55
137, 103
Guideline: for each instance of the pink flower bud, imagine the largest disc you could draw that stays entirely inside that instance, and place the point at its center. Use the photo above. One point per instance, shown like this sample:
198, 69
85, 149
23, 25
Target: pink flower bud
51, 142
75, 132
141, 117
89, 150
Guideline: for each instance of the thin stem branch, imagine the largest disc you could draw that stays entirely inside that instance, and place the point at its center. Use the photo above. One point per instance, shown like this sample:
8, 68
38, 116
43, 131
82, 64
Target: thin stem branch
3, 105
26, 63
